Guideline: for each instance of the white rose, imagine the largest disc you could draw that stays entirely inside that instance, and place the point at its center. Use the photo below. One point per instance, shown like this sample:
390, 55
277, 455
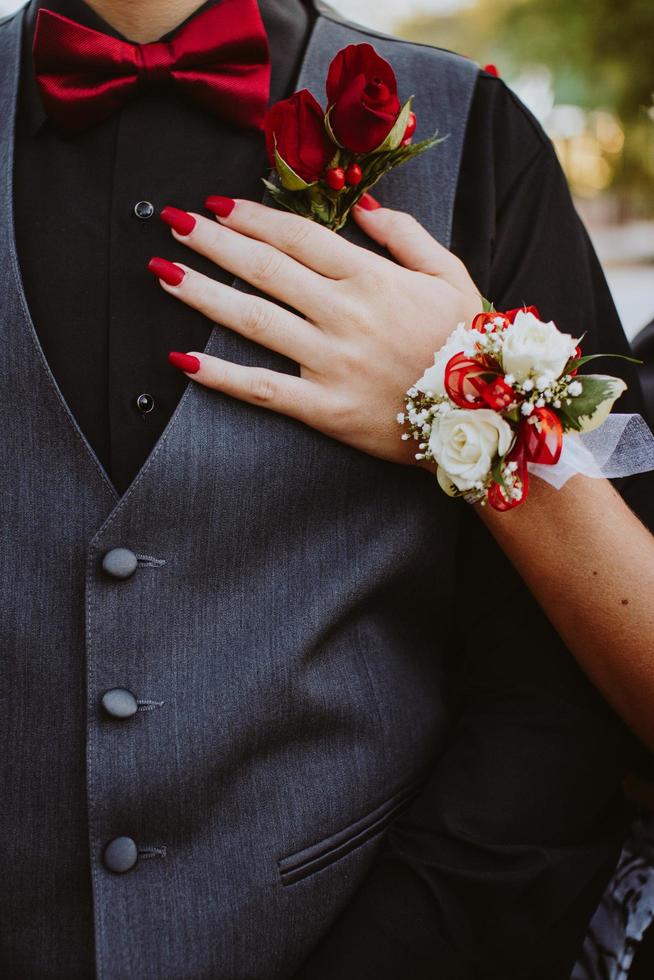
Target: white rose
434, 377
465, 441
533, 348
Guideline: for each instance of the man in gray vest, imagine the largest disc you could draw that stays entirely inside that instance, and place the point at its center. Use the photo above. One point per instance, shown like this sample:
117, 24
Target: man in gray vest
235, 651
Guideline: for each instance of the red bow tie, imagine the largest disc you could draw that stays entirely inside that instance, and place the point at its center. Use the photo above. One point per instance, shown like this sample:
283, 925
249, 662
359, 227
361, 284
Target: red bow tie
220, 59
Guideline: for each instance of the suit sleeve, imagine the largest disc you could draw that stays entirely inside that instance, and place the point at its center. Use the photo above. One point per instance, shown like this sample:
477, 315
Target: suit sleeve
496, 868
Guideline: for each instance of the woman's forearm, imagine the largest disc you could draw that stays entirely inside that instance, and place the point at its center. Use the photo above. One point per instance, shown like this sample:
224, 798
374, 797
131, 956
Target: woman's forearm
590, 563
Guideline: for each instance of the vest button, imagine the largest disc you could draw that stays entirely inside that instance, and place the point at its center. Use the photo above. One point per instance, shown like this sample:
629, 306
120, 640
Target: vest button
119, 563
120, 855
119, 703
144, 403
143, 210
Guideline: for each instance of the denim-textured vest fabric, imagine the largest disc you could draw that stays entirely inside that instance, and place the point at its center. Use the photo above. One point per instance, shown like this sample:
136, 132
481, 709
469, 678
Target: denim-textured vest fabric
278, 634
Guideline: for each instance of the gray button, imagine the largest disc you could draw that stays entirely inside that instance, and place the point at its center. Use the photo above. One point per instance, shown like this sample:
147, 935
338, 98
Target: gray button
120, 855
143, 210
119, 703
119, 563
145, 403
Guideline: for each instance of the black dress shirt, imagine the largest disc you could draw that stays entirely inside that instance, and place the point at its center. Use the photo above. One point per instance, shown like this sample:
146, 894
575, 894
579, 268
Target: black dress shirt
104, 323
106, 328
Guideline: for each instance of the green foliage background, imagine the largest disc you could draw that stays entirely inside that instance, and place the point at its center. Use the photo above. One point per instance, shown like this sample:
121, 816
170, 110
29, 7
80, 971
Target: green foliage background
601, 54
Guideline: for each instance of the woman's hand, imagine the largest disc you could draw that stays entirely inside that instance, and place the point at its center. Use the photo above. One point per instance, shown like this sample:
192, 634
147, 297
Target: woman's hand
365, 328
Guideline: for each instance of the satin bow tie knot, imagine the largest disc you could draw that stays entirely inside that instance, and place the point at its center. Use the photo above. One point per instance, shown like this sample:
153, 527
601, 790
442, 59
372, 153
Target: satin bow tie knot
219, 59
154, 64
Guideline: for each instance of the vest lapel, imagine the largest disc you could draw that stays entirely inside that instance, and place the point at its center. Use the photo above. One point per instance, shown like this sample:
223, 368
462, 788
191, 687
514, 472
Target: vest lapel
12, 295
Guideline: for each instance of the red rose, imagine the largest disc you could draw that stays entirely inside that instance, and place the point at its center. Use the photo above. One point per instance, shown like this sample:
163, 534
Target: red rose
362, 94
511, 314
298, 126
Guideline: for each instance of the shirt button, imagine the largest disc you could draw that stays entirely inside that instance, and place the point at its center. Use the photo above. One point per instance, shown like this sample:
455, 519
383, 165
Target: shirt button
120, 855
145, 403
119, 703
120, 563
143, 210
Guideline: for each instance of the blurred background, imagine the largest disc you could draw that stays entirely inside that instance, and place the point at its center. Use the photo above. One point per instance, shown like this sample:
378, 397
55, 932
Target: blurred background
585, 68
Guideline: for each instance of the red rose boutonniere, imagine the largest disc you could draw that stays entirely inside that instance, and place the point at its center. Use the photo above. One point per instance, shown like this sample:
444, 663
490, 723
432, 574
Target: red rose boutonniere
326, 161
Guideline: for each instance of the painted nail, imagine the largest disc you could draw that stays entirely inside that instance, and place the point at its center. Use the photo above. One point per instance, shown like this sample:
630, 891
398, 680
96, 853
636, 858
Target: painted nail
171, 274
180, 221
369, 203
185, 362
221, 206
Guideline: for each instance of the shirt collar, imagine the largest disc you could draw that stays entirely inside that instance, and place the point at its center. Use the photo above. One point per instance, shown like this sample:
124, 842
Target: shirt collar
290, 19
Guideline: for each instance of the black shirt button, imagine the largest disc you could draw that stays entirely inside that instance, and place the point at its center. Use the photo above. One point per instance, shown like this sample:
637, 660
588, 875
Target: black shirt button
143, 210
145, 403
120, 563
119, 703
120, 855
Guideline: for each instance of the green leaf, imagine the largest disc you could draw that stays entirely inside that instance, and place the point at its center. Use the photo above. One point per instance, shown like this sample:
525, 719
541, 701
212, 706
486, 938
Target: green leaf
292, 201
586, 411
396, 134
335, 160
290, 180
577, 362
446, 484
487, 306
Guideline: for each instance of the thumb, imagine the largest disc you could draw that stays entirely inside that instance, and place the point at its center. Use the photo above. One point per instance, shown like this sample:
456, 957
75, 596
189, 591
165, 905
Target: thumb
409, 242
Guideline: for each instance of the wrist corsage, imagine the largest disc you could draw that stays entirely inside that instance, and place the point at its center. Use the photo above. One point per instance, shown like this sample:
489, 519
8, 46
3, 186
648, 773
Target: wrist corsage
326, 161
504, 399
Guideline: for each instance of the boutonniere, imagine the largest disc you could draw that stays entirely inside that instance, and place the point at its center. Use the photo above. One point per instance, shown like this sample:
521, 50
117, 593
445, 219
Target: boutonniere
326, 161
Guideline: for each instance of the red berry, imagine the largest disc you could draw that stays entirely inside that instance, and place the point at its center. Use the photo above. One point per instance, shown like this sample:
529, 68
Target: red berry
410, 127
491, 70
335, 178
353, 174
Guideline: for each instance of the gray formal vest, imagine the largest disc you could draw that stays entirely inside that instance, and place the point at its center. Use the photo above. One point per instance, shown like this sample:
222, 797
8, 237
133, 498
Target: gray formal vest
277, 633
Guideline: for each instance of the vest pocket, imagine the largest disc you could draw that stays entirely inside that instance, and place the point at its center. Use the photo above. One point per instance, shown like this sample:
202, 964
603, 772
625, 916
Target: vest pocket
330, 849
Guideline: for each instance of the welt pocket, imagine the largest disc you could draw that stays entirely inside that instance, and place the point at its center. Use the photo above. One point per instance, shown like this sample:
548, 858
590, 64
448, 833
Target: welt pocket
330, 849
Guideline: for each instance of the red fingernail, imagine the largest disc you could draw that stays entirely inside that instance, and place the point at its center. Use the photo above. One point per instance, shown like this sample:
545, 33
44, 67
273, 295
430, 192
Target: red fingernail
180, 221
222, 206
171, 274
369, 203
185, 362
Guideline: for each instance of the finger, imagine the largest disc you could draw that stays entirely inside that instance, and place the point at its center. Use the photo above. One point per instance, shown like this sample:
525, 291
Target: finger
312, 244
253, 317
410, 243
283, 393
260, 264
